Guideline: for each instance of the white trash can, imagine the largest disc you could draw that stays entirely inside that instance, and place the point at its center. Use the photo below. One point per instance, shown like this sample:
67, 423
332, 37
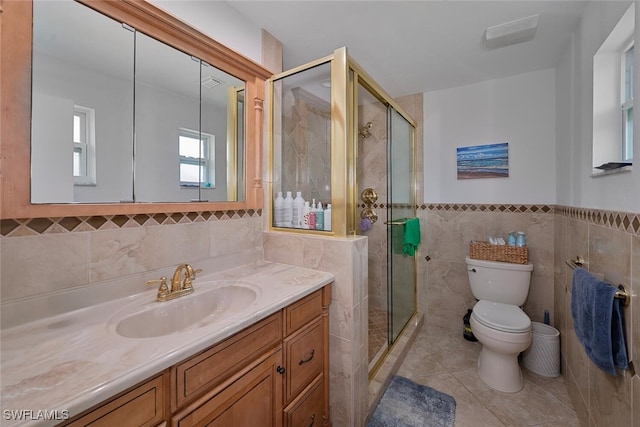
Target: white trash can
543, 355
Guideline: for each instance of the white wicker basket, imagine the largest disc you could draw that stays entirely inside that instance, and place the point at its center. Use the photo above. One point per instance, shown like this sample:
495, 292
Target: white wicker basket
543, 355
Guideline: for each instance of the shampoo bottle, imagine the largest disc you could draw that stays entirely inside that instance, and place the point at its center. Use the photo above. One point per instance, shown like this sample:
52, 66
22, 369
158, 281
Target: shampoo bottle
327, 218
306, 211
278, 210
319, 217
298, 206
288, 210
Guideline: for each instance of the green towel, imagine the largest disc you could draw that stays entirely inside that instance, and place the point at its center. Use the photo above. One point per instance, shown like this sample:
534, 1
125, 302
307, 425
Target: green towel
411, 236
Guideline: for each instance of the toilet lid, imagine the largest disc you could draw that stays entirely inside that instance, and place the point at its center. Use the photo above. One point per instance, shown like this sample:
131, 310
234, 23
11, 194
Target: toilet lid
502, 317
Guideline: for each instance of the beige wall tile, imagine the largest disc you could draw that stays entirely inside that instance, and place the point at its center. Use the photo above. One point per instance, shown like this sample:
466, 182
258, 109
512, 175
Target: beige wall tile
35, 265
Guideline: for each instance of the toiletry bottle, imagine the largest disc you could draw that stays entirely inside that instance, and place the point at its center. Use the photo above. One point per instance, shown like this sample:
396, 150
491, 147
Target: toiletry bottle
511, 239
520, 241
288, 210
312, 215
278, 210
306, 211
319, 217
327, 218
298, 206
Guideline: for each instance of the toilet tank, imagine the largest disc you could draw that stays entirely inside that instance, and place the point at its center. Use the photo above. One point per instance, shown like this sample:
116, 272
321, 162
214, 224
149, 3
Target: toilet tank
499, 281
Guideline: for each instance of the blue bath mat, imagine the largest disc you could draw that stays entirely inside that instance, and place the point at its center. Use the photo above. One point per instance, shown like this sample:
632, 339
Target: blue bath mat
407, 404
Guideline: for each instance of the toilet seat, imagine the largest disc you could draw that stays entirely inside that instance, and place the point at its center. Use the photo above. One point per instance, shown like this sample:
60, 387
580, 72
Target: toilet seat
501, 317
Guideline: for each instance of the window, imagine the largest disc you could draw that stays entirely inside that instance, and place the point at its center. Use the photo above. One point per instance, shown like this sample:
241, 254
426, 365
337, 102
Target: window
84, 153
627, 104
613, 98
196, 151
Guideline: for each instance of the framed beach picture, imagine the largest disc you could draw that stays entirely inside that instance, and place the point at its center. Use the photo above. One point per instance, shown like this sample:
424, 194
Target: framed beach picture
483, 161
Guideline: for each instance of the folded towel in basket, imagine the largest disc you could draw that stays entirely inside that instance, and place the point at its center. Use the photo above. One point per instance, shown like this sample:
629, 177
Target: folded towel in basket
598, 321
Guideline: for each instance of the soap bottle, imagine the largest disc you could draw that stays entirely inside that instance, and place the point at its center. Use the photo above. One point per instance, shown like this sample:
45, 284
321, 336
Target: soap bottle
288, 210
327, 218
319, 217
306, 211
278, 210
312, 215
298, 206
520, 240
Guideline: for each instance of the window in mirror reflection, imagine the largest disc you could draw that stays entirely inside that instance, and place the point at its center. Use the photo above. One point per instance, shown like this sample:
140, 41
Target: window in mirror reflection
84, 141
197, 162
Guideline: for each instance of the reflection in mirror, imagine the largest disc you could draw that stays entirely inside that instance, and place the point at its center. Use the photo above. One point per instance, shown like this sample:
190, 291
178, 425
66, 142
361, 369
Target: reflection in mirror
82, 106
224, 126
235, 142
91, 144
167, 124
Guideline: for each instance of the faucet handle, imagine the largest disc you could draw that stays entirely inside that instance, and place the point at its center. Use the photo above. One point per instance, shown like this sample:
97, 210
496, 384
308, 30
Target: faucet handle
163, 289
189, 276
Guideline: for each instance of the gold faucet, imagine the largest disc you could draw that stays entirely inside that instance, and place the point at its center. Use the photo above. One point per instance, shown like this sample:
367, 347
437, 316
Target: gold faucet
178, 286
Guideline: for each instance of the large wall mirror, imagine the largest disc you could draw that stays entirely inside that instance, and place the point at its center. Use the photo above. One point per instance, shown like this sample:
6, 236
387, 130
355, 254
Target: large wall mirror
116, 107
118, 115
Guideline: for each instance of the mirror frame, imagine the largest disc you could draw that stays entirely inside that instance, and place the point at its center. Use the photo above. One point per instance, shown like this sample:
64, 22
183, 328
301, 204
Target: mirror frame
15, 126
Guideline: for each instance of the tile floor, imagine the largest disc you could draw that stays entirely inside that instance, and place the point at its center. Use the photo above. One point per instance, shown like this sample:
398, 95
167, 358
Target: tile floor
377, 332
445, 361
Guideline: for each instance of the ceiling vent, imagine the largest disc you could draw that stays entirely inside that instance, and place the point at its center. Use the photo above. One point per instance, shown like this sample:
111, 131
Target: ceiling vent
518, 31
210, 82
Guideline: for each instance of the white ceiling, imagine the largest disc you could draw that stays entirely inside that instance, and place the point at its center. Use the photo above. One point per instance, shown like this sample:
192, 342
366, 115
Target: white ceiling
417, 46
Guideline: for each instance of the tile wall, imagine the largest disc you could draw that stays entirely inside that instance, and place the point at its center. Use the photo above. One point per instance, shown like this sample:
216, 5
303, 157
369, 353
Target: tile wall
346, 258
610, 244
443, 285
43, 255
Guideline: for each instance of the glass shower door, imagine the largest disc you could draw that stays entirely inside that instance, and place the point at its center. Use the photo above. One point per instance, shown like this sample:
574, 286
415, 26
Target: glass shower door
401, 207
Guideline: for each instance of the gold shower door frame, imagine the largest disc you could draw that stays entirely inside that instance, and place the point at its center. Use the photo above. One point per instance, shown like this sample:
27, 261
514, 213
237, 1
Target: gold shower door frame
346, 76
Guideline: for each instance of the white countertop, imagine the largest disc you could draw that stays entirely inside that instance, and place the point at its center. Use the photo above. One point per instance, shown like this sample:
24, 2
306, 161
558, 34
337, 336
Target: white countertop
75, 360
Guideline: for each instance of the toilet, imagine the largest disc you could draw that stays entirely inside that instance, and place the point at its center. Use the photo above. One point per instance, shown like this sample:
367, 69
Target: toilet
498, 322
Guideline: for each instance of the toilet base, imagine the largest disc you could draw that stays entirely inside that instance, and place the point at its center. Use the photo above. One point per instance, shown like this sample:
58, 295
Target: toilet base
500, 371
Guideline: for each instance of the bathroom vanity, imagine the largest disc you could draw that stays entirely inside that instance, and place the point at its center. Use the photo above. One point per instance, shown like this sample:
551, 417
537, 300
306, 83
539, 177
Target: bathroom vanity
265, 361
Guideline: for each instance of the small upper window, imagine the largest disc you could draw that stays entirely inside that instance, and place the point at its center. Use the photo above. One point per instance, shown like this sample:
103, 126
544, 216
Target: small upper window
84, 150
613, 97
197, 160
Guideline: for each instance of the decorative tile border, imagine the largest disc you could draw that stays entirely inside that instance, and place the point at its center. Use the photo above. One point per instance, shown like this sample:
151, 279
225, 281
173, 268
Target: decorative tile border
469, 207
623, 221
37, 226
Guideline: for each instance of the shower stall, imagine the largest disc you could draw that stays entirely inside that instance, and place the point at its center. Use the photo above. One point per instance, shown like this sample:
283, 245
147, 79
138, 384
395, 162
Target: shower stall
338, 138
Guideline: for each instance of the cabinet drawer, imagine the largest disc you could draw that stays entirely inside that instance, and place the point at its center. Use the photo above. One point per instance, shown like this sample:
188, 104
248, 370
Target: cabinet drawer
201, 372
304, 356
303, 311
250, 400
142, 406
307, 409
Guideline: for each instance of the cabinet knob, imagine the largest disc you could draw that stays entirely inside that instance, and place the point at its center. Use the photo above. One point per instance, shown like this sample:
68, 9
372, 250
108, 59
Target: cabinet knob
313, 419
280, 370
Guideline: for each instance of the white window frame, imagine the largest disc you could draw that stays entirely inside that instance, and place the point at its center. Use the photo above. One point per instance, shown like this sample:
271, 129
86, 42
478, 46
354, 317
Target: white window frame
85, 146
610, 131
626, 101
206, 159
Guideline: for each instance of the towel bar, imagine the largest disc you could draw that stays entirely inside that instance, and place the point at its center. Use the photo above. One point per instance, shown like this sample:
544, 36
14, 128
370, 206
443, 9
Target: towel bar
621, 293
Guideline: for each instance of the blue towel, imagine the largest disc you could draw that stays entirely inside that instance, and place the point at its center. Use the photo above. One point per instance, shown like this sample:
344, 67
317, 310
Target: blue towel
411, 236
598, 321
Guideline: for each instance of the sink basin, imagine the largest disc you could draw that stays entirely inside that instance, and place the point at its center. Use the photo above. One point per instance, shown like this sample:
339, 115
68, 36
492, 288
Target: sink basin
203, 307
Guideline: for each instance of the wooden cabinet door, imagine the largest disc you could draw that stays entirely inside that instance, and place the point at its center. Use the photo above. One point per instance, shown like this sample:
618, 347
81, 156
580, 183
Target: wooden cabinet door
250, 400
307, 410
